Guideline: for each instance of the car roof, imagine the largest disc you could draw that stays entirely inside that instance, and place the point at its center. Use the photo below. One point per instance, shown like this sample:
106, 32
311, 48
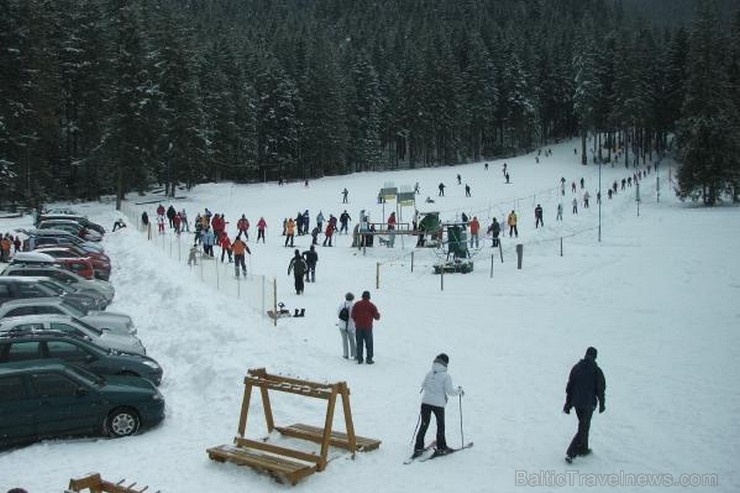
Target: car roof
33, 257
46, 334
29, 279
15, 367
29, 319
46, 300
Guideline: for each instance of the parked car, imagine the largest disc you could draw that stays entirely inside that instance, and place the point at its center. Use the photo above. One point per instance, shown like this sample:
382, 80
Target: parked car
56, 345
57, 272
75, 327
113, 321
37, 237
80, 266
47, 399
84, 221
99, 263
72, 227
17, 287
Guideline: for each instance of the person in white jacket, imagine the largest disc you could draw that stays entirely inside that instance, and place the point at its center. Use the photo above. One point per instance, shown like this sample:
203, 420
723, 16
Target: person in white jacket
437, 386
347, 327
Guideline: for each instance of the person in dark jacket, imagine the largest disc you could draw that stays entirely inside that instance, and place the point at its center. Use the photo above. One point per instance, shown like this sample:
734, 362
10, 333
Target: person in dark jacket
585, 389
311, 258
298, 267
363, 314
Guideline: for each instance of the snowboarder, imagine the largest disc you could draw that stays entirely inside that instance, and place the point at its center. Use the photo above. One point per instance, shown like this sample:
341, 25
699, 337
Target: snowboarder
437, 386
347, 326
586, 386
363, 314
298, 266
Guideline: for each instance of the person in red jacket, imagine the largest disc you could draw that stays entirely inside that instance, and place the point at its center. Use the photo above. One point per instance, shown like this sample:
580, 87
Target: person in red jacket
261, 226
225, 243
363, 314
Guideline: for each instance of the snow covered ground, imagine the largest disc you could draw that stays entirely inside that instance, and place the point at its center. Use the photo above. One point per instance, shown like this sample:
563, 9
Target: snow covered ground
658, 296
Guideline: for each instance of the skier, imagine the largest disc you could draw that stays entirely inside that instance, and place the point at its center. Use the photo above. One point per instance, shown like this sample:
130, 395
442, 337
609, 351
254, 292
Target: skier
289, 232
474, 231
459, 179
437, 386
345, 193
575, 205
511, 222
298, 266
467, 190
538, 217
320, 220
261, 226
559, 216
171, 216
145, 220
239, 248
441, 187
586, 386
344, 219
494, 229
347, 326
311, 258
242, 226
225, 243
586, 198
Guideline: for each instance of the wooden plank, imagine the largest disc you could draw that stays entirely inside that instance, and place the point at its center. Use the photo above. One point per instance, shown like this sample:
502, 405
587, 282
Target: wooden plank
338, 438
276, 449
278, 467
349, 424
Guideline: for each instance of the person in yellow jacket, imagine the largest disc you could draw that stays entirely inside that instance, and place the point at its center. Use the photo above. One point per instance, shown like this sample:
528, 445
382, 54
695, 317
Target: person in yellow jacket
511, 221
239, 247
289, 231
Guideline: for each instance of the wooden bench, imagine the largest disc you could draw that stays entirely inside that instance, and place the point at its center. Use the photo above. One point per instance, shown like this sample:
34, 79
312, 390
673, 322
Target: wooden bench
338, 438
283, 469
95, 484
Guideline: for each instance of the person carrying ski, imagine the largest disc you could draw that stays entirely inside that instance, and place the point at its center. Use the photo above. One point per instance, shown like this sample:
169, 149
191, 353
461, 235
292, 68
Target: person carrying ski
298, 266
437, 386
586, 386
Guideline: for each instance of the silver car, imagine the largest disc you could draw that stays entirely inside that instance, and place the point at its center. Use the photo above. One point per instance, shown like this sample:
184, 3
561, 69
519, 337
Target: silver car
72, 326
115, 322
55, 271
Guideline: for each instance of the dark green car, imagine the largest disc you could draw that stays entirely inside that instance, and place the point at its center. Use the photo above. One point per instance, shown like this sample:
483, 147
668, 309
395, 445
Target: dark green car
50, 344
43, 399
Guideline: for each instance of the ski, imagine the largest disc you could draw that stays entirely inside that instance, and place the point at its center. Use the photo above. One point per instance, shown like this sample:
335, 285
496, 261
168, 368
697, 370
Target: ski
423, 453
449, 452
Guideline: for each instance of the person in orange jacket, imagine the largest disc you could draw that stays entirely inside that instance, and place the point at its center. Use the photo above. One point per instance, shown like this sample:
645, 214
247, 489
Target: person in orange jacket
474, 230
289, 232
239, 247
511, 221
225, 243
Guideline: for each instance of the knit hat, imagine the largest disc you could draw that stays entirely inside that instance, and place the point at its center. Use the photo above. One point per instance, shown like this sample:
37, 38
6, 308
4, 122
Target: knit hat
366, 295
349, 296
442, 359
591, 352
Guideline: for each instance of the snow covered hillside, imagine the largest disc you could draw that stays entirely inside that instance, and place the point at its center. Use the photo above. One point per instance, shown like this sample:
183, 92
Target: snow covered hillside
658, 297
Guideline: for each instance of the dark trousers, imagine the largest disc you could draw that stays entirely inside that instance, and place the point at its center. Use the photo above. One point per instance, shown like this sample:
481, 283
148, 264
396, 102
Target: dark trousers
311, 274
261, 234
364, 337
239, 262
426, 417
579, 444
298, 278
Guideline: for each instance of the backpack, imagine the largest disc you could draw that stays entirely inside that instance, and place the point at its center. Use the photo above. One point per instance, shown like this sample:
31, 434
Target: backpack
344, 314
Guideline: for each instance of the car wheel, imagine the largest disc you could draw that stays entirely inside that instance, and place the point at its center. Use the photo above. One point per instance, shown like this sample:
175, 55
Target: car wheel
122, 422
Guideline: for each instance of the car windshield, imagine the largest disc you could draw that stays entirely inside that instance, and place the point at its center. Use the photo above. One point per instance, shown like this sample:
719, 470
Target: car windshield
85, 375
75, 309
89, 327
57, 286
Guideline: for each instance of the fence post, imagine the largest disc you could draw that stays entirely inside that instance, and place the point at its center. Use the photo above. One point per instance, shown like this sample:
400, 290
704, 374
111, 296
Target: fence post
377, 275
561, 246
218, 284
274, 302
519, 255
412, 261
442, 278
491, 266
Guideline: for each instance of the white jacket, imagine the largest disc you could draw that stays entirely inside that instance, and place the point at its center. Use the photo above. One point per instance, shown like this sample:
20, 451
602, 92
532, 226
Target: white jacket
349, 324
437, 386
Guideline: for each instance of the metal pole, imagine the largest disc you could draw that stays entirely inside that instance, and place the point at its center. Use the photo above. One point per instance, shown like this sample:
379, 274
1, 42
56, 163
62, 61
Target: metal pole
561, 246
599, 197
377, 275
491, 266
412, 261
274, 302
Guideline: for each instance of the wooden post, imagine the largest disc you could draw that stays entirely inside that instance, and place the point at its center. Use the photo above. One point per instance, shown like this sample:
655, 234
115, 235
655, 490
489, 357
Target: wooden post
412, 261
274, 302
349, 424
326, 438
245, 409
500, 251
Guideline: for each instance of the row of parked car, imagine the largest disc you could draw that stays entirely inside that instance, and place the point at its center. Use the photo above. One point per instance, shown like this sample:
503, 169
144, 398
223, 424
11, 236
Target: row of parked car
69, 366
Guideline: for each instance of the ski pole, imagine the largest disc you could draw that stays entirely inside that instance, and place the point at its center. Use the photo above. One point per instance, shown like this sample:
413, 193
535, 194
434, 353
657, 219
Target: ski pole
462, 433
